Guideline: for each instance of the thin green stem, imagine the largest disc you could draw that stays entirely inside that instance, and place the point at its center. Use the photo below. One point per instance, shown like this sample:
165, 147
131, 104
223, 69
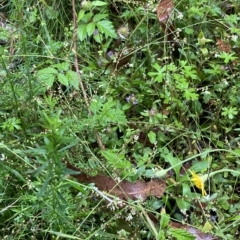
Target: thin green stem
163, 172
223, 170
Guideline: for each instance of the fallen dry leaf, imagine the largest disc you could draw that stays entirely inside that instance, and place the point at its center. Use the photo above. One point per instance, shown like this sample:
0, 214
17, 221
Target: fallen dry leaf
124, 190
223, 46
164, 10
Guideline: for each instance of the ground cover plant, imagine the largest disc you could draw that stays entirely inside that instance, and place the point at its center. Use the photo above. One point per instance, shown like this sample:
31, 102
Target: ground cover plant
119, 119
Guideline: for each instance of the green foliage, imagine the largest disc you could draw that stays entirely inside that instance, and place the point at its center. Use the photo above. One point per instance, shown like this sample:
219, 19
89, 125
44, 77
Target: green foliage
154, 104
57, 73
92, 24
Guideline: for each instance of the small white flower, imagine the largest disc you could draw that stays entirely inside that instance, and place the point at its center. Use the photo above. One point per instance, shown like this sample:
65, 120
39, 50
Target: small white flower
225, 82
234, 38
129, 218
136, 137
133, 211
118, 179
180, 15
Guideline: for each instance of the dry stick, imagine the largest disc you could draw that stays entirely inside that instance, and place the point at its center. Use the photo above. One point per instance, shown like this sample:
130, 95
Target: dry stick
99, 140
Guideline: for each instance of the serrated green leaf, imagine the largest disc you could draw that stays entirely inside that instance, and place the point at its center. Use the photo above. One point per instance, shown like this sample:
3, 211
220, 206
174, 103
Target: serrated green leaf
99, 17
63, 79
61, 66
90, 28
116, 159
189, 94
111, 113
82, 31
159, 74
48, 70
161, 235
106, 27
47, 77
95, 105
73, 79
165, 218
181, 234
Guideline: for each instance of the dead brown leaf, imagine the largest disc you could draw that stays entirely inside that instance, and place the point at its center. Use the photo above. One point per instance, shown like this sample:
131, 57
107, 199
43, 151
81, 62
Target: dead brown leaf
223, 46
124, 190
164, 10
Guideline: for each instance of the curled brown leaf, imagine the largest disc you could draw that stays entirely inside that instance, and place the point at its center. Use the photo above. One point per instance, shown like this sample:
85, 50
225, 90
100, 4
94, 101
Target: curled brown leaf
124, 190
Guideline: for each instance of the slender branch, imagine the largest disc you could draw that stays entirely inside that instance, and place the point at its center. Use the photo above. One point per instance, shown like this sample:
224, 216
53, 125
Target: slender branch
99, 140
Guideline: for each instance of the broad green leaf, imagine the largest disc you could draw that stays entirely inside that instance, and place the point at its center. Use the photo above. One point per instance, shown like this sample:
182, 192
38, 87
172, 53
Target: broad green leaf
47, 77
63, 79
64, 66
159, 74
228, 57
116, 159
80, 15
45, 71
111, 113
175, 162
90, 28
99, 3
200, 166
73, 79
183, 204
106, 27
188, 30
99, 17
95, 105
190, 94
152, 137
97, 37
82, 31
189, 72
